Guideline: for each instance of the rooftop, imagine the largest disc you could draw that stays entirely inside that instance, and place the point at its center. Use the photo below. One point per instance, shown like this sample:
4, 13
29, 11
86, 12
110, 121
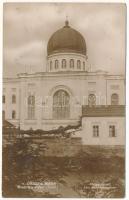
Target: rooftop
103, 111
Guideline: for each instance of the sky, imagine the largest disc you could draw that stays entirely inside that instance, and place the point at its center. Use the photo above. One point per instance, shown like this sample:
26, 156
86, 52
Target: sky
28, 27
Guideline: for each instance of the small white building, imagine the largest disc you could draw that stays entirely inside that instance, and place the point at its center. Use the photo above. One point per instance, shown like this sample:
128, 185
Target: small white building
103, 125
47, 100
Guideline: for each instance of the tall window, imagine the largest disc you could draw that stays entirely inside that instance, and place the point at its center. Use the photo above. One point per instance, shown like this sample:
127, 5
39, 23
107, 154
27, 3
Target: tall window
71, 63
13, 99
92, 100
3, 115
78, 64
112, 131
31, 107
3, 98
96, 131
13, 114
50, 65
114, 99
84, 66
63, 63
56, 64
61, 105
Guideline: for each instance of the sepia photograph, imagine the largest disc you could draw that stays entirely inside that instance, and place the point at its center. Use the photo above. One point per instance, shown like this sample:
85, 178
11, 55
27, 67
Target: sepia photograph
63, 100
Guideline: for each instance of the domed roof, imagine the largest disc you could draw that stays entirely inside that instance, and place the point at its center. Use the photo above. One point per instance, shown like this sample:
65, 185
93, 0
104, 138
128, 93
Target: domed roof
66, 40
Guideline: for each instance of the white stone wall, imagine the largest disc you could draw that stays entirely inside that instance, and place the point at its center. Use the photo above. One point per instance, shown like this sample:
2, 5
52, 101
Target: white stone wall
115, 85
11, 87
103, 123
43, 85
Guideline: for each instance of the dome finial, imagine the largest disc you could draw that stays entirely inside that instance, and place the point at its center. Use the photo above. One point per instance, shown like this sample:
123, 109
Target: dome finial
67, 22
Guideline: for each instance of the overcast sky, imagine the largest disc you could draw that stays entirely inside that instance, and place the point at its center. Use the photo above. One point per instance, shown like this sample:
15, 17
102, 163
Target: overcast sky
28, 27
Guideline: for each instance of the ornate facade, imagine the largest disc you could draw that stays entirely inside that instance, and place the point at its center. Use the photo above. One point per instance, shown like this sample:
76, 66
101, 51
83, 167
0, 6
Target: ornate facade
57, 97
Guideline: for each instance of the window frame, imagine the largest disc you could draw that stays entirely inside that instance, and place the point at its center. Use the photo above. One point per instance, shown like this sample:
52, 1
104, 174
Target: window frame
90, 101
114, 100
13, 99
84, 66
13, 114
64, 64
56, 64
71, 63
96, 131
78, 64
61, 104
31, 107
50, 65
3, 99
112, 133
3, 114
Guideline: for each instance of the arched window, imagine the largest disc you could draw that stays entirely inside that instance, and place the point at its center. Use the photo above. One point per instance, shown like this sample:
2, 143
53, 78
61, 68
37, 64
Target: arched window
61, 105
13, 114
50, 65
78, 64
71, 63
63, 63
83, 66
56, 64
31, 107
92, 100
3, 115
13, 98
3, 98
114, 99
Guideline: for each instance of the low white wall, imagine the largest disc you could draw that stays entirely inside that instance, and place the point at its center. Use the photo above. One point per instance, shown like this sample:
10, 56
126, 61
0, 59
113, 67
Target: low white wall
103, 123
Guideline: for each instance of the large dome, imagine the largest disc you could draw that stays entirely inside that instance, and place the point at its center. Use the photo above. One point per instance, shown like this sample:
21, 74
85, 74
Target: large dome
66, 40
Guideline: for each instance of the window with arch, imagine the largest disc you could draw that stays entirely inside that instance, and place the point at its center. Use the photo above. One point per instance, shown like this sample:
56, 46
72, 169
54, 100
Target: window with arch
71, 63
84, 66
78, 64
61, 105
91, 100
3, 98
56, 64
114, 99
3, 115
64, 63
13, 98
13, 114
31, 107
50, 65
